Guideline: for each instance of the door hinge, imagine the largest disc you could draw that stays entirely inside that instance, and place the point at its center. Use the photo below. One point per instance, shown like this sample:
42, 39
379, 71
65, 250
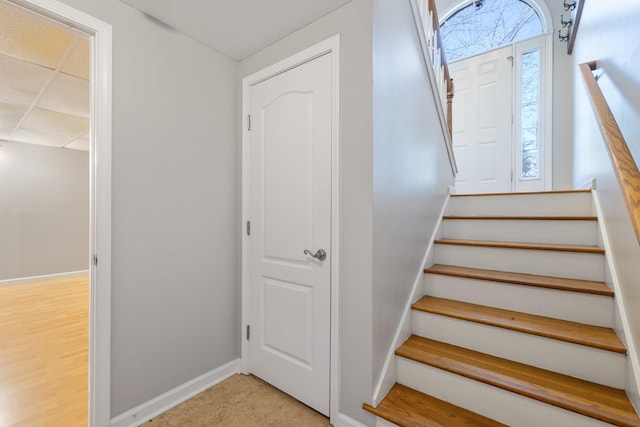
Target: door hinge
248, 332
248, 228
510, 58
248, 121
95, 260
511, 176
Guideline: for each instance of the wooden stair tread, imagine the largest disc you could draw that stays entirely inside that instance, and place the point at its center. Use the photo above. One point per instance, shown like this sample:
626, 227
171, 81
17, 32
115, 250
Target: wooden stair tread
520, 193
407, 407
563, 330
559, 283
523, 245
594, 400
521, 217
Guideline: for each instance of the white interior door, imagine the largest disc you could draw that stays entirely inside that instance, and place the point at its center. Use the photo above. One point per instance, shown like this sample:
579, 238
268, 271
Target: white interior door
482, 111
290, 212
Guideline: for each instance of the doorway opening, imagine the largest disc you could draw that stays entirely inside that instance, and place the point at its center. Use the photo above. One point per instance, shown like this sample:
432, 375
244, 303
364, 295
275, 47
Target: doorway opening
501, 61
56, 124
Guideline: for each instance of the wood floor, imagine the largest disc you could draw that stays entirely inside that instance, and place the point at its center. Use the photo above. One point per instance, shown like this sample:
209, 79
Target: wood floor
44, 353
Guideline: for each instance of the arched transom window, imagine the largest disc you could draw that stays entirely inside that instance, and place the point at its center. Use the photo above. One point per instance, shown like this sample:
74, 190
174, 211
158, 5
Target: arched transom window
483, 25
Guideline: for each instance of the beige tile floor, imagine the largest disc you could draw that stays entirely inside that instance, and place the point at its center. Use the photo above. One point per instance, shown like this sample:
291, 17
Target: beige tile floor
241, 401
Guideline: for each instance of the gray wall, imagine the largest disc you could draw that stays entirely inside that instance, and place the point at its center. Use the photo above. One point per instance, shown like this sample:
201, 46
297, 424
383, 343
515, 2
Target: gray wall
617, 50
353, 21
562, 81
411, 169
175, 212
44, 210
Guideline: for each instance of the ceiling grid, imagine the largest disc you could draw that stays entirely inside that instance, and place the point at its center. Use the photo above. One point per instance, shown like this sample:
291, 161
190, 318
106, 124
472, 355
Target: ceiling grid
44, 89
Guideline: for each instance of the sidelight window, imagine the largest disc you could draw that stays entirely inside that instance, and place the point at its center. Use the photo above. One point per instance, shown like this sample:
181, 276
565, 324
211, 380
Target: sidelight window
530, 114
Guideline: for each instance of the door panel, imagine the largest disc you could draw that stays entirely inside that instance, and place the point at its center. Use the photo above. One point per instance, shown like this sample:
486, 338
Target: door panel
287, 204
290, 211
487, 107
296, 344
487, 167
482, 124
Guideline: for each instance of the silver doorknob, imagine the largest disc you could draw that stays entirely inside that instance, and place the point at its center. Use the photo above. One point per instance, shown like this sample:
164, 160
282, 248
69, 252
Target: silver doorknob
321, 254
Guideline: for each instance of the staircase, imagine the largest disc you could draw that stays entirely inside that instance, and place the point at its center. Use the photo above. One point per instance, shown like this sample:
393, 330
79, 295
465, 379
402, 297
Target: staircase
515, 324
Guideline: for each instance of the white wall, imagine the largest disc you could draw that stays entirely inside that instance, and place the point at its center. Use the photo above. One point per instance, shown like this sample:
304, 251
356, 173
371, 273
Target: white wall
609, 34
411, 168
563, 74
353, 21
44, 210
175, 265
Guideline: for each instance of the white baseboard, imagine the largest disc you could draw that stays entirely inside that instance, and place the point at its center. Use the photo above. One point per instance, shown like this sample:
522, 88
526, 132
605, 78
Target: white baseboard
43, 277
388, 376
346, 421
156, 406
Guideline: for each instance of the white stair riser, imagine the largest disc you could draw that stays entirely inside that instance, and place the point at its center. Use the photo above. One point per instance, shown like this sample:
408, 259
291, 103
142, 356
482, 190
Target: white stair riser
564, 204
574, 306
587, 363
381, 422
492, 402
535, 231
573, 265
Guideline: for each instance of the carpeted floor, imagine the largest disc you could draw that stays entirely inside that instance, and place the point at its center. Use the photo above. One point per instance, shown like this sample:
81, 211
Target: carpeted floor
240, 401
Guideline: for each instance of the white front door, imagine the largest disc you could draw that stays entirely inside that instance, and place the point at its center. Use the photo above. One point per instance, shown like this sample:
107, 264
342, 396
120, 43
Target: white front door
501, 121
482, 121
290, 222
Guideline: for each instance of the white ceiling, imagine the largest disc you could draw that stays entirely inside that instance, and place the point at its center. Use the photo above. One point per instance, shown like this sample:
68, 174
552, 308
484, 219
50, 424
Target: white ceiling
44, 84
237, 28
44, 66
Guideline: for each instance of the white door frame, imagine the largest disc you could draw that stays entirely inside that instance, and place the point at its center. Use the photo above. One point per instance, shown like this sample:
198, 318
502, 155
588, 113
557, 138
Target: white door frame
100, 199
330, 46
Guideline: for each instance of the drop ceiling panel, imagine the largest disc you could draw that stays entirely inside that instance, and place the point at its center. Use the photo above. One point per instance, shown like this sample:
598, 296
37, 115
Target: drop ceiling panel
45, 104
78, 62
237, 28
21, 81
41, 138
11, 114
67, 94
32, 38
55, 123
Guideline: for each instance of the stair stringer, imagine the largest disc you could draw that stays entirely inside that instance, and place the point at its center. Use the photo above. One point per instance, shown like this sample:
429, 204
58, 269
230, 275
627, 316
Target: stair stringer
621, 323
388, 376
